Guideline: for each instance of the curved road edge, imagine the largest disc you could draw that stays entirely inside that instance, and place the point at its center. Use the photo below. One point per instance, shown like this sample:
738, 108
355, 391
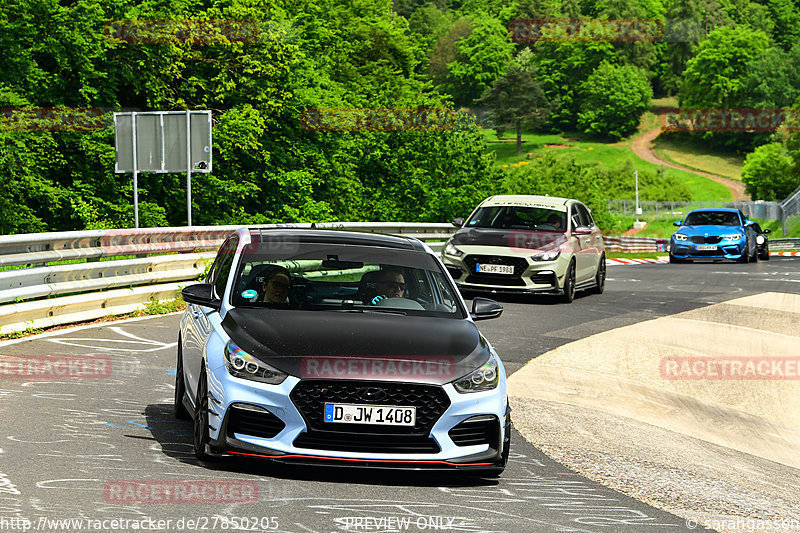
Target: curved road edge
698, 448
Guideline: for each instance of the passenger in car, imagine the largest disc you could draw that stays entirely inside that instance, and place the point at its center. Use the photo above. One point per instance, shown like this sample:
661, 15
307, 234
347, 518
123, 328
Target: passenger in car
275, 285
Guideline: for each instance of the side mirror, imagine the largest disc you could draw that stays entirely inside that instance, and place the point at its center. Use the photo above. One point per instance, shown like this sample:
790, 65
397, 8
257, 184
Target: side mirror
582, 230
766, 231
458, 222
201, 294
484, 308
677, 223
748, 222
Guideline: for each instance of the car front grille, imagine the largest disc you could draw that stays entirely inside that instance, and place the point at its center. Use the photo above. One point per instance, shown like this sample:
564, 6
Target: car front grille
711, 239
708, 253
476, 430
253, 421
482, 278
310, 397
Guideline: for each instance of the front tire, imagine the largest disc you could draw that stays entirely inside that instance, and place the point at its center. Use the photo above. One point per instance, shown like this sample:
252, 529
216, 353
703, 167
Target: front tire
569, 284
764, 256
201, 438
180, 388
600, 276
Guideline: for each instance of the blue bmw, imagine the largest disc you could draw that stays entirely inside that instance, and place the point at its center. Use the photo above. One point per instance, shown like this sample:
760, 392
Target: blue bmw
339, 348
716, 234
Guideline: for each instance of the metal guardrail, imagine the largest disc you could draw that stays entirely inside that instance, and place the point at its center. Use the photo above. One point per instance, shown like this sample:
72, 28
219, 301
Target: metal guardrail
39, 295
33, 295
784, 244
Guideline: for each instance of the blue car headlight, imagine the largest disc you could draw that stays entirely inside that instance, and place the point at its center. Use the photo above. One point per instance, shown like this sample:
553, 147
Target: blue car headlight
732, 237
485, 378
680, 237
242, 365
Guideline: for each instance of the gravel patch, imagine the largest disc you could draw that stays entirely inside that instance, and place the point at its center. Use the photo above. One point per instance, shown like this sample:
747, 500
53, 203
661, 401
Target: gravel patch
718, 487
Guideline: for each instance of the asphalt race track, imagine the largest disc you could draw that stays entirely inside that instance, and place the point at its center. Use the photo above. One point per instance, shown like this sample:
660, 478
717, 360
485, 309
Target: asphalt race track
71, 448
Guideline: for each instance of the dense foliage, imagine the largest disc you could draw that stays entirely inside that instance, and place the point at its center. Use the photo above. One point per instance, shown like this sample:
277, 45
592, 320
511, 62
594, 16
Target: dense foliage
365, 54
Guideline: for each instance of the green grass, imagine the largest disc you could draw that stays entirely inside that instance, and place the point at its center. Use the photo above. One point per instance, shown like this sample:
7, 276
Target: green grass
591, 151
698, 157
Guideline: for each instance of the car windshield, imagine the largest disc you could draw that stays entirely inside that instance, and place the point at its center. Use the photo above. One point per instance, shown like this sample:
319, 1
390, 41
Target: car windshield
712, 218
327, 277
518, 217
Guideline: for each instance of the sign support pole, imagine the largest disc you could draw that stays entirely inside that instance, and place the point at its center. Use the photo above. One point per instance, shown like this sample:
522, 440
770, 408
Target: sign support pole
188, 169
135, 175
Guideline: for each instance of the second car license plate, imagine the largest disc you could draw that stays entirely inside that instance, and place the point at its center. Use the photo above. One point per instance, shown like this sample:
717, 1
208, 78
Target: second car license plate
495, 269
382, 415
706, 246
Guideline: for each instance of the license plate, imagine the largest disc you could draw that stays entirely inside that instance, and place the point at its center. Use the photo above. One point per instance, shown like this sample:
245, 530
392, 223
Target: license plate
495, 269
706, 246
379, 415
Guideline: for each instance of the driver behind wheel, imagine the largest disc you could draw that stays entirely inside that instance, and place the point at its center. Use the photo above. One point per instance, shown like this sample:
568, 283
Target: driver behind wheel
390, 284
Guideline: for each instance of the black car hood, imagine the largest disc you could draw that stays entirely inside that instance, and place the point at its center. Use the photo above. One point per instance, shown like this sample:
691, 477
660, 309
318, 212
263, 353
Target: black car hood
509, 238
347, 345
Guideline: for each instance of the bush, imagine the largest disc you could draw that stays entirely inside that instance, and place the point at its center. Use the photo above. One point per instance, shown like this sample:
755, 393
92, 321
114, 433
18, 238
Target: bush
768, 173
614, 98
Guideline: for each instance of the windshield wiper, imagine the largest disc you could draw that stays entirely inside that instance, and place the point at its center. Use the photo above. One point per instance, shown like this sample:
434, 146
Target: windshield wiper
382, 310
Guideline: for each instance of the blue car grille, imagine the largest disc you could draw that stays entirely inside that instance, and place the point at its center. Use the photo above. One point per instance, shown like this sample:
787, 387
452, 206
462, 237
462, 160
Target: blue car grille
310, 397
710, 239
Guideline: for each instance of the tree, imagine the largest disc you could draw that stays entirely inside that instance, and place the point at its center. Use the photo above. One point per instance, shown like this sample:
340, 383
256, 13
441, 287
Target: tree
787, 22
769, 173
715, 76
560, 69
614, 98
482, 56
517, 99
772, 80
682, 32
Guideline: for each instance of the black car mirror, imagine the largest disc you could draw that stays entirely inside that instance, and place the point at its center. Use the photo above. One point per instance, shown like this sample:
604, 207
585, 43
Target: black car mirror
201, 294
766, 231
484, 308
458, 222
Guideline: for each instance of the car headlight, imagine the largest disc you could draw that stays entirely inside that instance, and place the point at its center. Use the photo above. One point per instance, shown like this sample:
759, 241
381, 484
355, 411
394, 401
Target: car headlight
546, 256
485, 378
680, 237
450, 249
732, 237
760, 239
241, 364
